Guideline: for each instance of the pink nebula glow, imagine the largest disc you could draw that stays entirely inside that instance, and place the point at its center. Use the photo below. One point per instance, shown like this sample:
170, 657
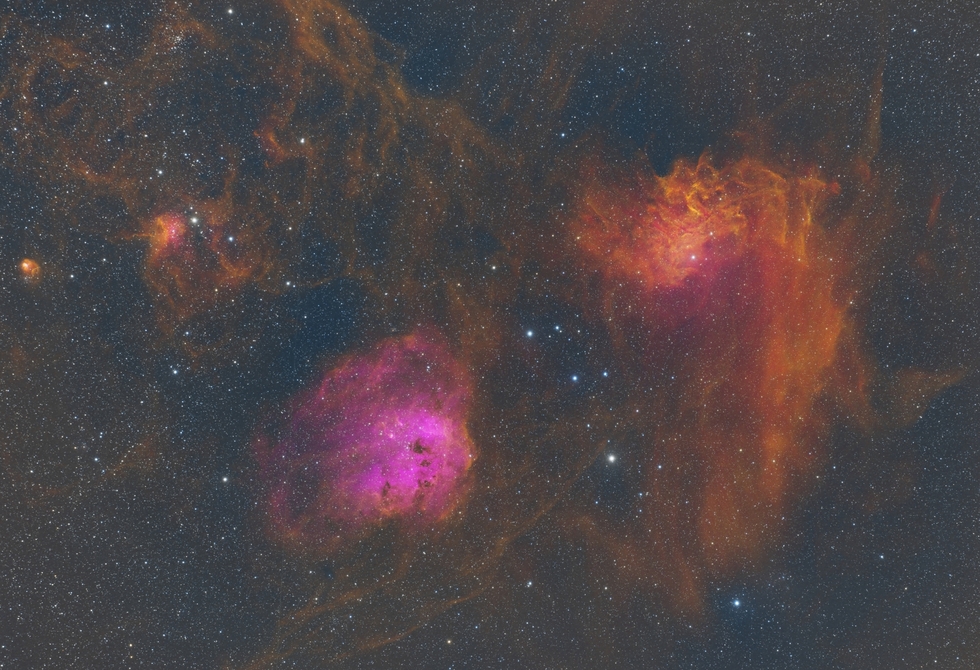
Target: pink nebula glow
168, 234
382, 435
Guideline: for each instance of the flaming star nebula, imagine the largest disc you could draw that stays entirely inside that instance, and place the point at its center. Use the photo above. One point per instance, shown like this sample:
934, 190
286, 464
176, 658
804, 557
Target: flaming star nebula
574, 334
729, 278
675, 231
381, 436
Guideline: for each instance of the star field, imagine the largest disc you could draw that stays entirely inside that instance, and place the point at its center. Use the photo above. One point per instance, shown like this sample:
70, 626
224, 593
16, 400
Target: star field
431, 334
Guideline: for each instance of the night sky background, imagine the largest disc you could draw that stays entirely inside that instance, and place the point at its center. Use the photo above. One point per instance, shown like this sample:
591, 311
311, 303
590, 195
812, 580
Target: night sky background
658, 321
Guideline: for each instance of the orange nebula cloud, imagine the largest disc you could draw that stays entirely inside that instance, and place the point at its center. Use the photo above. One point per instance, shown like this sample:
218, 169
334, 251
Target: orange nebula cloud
197, 255
168, 234
681, 231
30, 270
726, 278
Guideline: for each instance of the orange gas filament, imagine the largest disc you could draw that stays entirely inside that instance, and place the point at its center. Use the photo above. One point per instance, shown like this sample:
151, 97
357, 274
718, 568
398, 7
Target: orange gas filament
667, 231
194, 258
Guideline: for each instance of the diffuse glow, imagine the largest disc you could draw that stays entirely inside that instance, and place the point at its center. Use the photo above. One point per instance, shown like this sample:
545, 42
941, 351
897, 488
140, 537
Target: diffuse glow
30, 269
198, 253
735, 254
382, 436
169, 234
668, 232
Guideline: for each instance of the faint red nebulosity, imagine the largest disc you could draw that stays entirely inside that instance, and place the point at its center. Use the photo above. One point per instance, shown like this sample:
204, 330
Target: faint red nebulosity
200, 254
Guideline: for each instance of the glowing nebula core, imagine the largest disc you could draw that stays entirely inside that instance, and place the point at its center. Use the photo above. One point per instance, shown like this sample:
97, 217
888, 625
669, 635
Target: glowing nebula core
168, 235
30, 270
382, 436
682, 230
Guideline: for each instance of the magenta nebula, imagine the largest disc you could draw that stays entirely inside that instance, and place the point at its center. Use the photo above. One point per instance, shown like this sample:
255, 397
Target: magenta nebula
383, 435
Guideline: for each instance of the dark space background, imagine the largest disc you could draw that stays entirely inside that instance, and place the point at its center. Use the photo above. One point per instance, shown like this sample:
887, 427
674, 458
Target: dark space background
369, 166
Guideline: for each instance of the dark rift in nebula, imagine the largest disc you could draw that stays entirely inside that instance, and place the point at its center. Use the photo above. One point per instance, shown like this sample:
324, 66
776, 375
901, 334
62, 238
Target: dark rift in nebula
381, 436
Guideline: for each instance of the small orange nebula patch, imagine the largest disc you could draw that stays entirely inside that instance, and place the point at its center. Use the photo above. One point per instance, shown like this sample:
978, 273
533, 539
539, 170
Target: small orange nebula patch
198, 256
30, 269
768, 347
